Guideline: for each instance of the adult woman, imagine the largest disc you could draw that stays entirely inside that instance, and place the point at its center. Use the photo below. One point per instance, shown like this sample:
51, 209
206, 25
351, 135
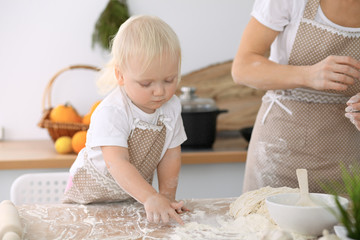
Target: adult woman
312, 72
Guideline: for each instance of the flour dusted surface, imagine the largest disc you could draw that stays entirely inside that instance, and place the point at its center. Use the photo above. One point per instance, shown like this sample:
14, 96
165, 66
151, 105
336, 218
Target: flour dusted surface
247, 218
208, 219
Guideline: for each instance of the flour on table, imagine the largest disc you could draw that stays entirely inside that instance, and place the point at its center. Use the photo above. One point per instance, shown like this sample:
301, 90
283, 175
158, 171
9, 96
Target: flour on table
247, 219
252, 227
277, 234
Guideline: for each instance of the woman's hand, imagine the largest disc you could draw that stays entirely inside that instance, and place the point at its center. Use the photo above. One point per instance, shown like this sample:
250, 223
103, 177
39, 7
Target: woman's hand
353, 110
334, 72
160, 208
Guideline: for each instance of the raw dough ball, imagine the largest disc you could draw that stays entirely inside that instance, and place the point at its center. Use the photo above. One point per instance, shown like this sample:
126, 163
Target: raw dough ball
254, 201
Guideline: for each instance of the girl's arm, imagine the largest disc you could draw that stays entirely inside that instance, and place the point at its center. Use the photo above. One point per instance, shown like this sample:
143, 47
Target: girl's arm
128, 177
168, 175
252, 68
168, 172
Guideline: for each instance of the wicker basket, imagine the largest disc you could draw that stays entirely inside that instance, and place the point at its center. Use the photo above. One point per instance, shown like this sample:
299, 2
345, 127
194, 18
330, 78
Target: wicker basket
59, 129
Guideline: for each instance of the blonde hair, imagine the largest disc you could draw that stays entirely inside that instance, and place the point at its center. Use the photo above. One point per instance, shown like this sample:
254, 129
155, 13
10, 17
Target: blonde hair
142, 36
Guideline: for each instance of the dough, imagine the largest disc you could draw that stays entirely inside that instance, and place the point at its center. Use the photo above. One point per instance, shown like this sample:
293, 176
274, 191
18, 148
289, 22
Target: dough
254, 201
10, 225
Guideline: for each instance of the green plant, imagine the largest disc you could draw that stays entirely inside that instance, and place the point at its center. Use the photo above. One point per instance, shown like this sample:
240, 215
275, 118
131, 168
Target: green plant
350, 218
114, 14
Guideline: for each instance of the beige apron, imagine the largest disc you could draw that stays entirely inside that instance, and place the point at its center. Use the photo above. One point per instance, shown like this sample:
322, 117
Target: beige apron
303, 128
145, 145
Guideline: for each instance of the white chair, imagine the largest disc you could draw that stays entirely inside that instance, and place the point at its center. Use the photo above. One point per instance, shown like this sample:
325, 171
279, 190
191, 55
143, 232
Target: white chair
40, 188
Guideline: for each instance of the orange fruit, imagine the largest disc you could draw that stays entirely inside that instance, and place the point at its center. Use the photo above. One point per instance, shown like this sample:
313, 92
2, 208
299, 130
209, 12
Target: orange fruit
65, 113
87, 117
78, 141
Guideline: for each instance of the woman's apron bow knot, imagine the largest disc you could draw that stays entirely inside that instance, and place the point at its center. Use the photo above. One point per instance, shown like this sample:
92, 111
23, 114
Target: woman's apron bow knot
273, 97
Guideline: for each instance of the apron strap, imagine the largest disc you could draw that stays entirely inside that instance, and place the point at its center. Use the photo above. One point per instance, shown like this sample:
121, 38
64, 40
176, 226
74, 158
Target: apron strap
311, 9
166, 120
273, 97
134, 125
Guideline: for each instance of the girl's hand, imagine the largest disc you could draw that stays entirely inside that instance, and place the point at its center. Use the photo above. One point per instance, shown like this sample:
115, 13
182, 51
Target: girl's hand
334, 72
353, 110
160, 208
179, 207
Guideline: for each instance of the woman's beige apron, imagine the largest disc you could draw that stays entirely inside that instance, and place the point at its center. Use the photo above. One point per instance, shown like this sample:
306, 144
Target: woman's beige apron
145, 145
303, 128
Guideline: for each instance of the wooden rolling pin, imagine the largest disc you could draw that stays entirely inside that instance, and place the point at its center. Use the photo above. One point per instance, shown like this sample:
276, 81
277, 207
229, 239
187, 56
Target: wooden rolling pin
10, 225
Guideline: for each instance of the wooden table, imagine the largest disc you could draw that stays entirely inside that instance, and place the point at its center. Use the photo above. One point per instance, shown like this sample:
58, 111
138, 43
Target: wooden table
207, 219
125, 220
228, 147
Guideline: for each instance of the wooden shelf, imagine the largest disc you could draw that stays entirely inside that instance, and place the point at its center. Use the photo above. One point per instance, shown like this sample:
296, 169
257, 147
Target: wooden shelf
41, 154
213, 157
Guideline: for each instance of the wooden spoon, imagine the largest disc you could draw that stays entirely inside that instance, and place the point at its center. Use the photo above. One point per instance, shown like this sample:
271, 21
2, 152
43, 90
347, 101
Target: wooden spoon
304, 200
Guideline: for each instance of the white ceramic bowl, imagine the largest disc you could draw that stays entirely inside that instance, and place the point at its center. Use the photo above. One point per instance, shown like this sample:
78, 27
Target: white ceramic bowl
309, 221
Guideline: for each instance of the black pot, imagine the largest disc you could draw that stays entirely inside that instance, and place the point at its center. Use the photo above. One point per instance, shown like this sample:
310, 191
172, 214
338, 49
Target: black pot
246, 133
200, 128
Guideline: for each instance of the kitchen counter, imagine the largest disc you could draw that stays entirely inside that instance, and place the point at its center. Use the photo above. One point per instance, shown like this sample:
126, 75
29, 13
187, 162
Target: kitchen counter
207, 219
125, 220
229, 146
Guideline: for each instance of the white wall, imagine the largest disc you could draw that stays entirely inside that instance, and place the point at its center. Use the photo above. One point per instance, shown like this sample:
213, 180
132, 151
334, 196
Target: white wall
39, 37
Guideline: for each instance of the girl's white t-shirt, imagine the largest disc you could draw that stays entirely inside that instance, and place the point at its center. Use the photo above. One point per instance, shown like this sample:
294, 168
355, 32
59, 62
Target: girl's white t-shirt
112, 123
284, 16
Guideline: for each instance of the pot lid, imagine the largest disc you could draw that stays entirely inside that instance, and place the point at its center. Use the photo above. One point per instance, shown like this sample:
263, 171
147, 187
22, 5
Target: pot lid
192, 103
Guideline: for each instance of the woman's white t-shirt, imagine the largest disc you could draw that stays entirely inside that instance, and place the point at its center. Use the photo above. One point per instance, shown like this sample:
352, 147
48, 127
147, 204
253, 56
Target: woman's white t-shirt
284, 16
112, 123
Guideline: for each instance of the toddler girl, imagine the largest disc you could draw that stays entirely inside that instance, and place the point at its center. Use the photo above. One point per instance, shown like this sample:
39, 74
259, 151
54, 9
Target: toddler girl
137, 128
